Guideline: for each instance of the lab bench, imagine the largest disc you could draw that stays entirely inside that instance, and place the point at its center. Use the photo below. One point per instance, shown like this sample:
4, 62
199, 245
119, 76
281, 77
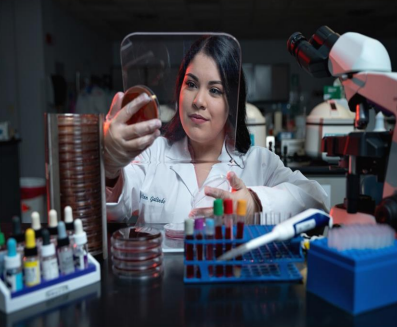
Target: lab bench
167, 301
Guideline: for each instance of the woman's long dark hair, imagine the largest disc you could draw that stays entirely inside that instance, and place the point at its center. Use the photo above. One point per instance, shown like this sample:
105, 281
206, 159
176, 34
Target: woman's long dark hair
225, 52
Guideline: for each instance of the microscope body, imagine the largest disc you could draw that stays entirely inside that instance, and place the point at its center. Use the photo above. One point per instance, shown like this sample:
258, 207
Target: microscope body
363, 66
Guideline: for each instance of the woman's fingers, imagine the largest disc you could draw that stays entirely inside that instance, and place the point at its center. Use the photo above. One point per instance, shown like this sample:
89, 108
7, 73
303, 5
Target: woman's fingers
201, 212
141, 129
131, 108
235, 182
137, 145
217, 193
115, 107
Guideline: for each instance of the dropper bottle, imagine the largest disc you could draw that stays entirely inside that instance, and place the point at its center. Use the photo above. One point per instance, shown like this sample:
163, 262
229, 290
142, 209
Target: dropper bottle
18, 235
53, 226
218, 216
3, 252
80, 248
49, 260
64, 251
68, 218
36, 226
12, 267
31, 262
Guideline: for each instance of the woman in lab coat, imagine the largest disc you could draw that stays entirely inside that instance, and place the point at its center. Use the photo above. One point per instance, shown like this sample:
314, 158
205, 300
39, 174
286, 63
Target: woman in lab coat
197, 148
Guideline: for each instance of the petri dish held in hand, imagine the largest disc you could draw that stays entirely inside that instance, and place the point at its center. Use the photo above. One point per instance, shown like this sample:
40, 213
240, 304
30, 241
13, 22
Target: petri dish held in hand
148, 111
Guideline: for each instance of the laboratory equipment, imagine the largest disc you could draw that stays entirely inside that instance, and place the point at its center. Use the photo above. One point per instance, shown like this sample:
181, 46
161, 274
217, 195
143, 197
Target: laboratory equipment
256, 125
75, 173
148, 111
273, 262
64, 251
80, 248
31, 262
137, 253
307, 220
327, 118
355, 280
49, 260
363, 66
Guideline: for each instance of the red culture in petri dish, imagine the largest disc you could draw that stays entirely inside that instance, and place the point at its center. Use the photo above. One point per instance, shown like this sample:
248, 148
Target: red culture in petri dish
148, 111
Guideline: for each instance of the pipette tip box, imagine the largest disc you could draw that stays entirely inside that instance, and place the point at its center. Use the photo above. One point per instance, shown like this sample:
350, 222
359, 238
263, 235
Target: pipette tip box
273, 262
354, 280
47, 290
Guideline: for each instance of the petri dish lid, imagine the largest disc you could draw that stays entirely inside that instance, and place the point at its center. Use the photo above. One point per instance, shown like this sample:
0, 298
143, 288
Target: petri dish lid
175, 230
200, 200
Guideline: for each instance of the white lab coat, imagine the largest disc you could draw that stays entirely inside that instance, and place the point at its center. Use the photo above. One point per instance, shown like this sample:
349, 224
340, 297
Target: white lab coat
162, 191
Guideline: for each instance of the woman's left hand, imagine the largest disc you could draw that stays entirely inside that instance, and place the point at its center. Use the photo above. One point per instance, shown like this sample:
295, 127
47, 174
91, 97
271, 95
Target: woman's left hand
239, 192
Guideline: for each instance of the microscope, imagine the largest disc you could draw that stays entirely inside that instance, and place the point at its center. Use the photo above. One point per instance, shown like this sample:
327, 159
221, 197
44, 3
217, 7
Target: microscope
363, 66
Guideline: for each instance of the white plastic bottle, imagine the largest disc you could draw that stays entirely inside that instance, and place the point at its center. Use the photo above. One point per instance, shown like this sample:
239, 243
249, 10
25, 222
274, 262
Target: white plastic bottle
64, 251
49, 262
80, 248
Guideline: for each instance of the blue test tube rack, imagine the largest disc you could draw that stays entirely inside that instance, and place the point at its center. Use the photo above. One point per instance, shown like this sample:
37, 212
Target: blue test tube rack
47, 290
353, 280
272, 262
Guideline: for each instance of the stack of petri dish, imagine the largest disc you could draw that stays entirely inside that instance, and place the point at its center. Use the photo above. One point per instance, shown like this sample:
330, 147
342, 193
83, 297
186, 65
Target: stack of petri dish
137, 253
79, 147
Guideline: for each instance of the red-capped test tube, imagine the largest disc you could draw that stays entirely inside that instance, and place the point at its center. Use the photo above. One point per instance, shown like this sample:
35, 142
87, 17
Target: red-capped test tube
198, 234
189, 248
218, 215
228, 212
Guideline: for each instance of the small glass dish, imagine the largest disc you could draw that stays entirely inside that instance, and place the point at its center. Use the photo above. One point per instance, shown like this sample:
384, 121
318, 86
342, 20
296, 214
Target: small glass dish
175, 230
136, 239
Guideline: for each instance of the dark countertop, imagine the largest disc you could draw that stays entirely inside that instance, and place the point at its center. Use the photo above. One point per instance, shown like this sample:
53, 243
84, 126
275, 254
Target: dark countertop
167, 301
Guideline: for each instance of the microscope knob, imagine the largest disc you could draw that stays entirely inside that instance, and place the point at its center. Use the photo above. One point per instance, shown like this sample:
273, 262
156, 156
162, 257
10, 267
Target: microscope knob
386, 211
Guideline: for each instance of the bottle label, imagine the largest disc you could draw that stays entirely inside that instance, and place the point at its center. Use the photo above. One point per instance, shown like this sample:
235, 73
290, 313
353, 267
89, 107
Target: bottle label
80, 258
50, 269
66, 263
32, 272
14, 281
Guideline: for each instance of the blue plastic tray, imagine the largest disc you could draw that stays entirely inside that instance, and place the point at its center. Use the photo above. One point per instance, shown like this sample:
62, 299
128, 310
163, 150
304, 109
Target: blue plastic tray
353, 280
271, 262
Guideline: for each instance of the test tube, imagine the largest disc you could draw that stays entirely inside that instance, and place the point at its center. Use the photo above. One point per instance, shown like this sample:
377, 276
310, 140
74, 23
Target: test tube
189, 253
218, 215
228, 211
209, 235
198, 230
240, 218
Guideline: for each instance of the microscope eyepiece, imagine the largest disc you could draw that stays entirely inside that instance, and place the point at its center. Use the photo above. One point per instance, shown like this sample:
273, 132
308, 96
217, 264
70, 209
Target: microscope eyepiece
312, 55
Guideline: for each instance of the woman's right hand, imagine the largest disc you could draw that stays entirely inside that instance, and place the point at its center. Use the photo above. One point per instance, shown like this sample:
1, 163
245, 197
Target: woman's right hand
124, 142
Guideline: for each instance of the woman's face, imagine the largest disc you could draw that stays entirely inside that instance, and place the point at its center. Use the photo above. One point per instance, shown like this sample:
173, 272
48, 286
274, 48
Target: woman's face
203, 107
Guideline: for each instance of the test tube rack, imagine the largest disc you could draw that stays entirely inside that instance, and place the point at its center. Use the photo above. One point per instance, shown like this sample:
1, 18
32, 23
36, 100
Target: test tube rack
272, 262
48, 290
353, 280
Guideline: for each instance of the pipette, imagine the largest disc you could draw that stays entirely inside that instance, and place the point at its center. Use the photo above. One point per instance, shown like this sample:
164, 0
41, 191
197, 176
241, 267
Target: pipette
289, 228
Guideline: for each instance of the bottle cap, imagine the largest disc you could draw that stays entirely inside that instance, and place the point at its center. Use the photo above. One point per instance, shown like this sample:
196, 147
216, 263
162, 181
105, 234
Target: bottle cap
209, 226
80, 237
16, 230
63, 238
36, 220
30, 243
199, 224
13, 259
228, 206
2, 239
52, 226
218, 207
241, 207
189, 226
47, 249
68, 215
